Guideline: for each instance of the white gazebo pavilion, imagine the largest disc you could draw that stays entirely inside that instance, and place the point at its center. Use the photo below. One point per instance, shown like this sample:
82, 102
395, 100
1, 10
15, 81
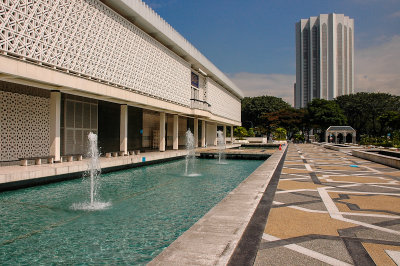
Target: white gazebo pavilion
336, 131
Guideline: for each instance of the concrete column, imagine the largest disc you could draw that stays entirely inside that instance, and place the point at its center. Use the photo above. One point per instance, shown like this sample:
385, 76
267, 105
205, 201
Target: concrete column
224, 134
162, 132
231, 134
196, 132
327, 137
175, 142
215, 137
336, 140
203, 133
123, 129
55, 124
354, 140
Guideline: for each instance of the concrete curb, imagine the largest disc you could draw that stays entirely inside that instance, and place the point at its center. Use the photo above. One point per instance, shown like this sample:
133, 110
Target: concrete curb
378, 158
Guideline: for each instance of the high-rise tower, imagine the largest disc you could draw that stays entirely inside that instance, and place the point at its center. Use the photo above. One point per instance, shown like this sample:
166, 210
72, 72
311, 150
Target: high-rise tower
324, 58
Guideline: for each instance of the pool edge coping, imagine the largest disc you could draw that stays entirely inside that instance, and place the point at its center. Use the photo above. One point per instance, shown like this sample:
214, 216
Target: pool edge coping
76, 171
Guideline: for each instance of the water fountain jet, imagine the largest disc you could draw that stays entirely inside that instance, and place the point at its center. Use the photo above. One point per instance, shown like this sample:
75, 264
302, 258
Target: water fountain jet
93, 172
221, 147
190, 156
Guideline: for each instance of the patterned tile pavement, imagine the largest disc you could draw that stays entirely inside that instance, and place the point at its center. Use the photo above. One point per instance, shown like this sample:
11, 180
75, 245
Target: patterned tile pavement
332, 208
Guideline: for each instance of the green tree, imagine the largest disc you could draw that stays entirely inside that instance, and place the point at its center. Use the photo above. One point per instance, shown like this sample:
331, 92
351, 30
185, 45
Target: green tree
254, 107
322, 113
280, 133
390, 121
290, 119
240, 132
363, 111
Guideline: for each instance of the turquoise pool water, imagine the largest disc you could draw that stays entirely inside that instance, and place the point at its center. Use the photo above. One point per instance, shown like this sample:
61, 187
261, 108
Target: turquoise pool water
150, 207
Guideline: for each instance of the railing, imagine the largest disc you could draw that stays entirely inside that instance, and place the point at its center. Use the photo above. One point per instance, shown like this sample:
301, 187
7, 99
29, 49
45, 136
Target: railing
199, 104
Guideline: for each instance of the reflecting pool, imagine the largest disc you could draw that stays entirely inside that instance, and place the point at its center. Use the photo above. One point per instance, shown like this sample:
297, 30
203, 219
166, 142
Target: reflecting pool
149, 208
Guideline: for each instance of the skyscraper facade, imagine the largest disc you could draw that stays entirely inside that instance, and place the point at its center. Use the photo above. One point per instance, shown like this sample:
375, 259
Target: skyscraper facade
324, 58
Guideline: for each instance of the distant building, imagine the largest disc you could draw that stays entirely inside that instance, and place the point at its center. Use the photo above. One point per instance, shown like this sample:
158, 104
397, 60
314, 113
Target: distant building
324, 58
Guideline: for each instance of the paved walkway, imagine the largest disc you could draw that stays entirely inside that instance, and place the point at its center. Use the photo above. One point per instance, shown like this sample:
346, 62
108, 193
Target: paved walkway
332, 208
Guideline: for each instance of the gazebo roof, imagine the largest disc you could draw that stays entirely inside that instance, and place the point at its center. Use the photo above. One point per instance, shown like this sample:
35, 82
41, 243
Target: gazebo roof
340, 128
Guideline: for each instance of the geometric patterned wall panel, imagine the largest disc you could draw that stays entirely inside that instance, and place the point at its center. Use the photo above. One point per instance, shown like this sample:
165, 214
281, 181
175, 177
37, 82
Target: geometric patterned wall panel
223, 103
88, 38
24, 126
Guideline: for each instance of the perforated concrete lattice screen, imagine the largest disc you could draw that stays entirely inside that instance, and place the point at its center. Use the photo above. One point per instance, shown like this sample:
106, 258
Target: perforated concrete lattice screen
87, 37
222, 102
25, 128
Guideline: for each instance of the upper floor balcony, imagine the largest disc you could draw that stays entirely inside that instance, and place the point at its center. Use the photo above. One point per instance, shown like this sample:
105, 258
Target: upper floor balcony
199, 104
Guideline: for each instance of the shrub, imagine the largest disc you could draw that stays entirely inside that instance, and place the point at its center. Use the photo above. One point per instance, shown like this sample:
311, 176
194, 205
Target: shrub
280, 133
240, 132
250, 133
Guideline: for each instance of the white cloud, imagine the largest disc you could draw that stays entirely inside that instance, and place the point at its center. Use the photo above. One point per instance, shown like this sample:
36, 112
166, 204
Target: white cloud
377, 68
395, 14
278, 85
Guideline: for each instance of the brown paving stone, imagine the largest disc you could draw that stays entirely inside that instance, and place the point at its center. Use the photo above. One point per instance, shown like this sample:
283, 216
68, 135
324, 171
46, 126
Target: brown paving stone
377, 202
358, 179
396, 174
287, 222
378, 254
342, 207
364, 202
291, 184
294, 171
326, 161
294, 163
346, 168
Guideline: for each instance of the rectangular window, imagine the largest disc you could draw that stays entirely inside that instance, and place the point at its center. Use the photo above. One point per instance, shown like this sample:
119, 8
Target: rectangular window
195, 80
80, 118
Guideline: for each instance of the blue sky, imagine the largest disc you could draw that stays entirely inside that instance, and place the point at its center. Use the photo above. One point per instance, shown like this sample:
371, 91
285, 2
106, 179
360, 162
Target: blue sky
253, 41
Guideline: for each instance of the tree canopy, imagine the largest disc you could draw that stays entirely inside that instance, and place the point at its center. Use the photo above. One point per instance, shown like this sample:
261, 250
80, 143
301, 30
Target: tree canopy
323, 113
290, 119
373, 115
364, 109
254, 107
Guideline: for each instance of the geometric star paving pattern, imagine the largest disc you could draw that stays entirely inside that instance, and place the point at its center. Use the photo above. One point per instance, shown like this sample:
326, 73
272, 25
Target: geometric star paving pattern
331, 208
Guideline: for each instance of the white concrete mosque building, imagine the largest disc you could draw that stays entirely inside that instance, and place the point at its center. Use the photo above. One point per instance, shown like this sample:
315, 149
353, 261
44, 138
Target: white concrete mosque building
114, 67
324, 58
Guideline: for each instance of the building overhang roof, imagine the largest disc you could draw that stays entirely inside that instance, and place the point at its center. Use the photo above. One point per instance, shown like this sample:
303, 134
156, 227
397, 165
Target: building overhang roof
140, 14
340, 128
